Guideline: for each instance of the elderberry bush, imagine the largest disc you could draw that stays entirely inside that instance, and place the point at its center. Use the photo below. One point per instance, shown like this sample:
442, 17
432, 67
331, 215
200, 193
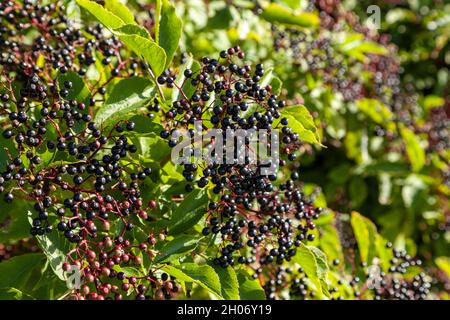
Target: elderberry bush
99, 101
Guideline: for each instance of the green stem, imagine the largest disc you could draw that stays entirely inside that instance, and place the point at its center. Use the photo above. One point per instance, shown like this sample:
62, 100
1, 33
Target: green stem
152, 75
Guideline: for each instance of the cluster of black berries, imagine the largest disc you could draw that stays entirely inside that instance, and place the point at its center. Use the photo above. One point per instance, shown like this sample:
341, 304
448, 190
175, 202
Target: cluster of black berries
313, 52
266, 234
332, 14
62, 46
392, 285
438, 129
287, 283
83, 178
259, 219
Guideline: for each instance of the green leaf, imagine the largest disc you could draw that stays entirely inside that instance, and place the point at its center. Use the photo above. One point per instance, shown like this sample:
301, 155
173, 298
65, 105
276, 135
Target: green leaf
432, 101
371, 48
120, 10
153, 147
202, 275
184, 83
143, 47
49, 286
135, 37
276, 85
133, 29
168, 28
321, 258
294, 4
277, 13
16, 272
301, 122
306, 258
415, 151
356, 46
222, 19
6, 145
129, 271
181, 245
377, 111
384, 253
79, 90
106, 17
14, 294
187, 214
249, 288
229, 282
127, 97
13, 221
55, 247
365, 234
330, 242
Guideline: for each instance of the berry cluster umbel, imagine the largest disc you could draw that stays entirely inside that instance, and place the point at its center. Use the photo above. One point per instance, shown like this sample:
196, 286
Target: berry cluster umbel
259, 219
83, 179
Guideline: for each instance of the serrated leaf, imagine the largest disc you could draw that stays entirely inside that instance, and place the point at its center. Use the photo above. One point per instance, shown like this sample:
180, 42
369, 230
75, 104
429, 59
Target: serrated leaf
229, 282
365, 234
188, 212
306, 258
276, 85
301, 122
202, 275
120, 10
322, 264
55, 247
133, 29
153, 147
106, 17
125, 100
249, 288
143, 47
129, 271
184, 83
168, 28
182, 244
